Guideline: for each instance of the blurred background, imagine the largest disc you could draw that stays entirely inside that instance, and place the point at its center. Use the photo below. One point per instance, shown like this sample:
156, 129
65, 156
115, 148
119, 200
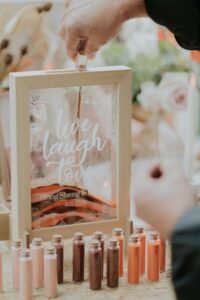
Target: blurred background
165, 103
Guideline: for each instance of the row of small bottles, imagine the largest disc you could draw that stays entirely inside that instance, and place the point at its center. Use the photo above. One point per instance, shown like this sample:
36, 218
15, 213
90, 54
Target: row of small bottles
43, 267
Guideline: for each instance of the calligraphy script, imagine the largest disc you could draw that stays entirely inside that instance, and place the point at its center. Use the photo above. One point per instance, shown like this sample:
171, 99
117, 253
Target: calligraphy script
70, 148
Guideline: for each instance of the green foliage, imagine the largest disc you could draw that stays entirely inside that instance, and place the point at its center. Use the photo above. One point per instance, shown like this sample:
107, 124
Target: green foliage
147, 68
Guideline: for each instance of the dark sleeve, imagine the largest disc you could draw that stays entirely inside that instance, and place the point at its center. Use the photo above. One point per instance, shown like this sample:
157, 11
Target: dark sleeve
186, 256
182, 17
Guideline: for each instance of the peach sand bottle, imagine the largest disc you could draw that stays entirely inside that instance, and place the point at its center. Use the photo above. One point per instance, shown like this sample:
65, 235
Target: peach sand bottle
16, 250
38, 263
142, 238
134, 252
162, 254
50, 272
118, 233
25, 281
1, 272
154, 257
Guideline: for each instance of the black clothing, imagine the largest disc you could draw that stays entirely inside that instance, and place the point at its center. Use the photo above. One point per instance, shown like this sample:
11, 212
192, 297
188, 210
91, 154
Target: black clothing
186, 256
182, 17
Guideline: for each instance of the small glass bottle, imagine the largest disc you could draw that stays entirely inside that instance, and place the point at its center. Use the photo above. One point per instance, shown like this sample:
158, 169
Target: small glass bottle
154, 257
25, 282
162, 254
113, 263
134, 252
95, 265
78, 257
16, 250
57, 242
98, 235
50, 272
1, 272
142, 237
118, 233
37, 250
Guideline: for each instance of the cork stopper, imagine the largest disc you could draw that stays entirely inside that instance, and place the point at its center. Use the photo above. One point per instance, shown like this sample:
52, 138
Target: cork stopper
113, 242
37, 242
50, 250
26, 253
139, 229
98, 235
17, 243
117, 231
154, 235
95, 243
78, 236
57, 238
134, 238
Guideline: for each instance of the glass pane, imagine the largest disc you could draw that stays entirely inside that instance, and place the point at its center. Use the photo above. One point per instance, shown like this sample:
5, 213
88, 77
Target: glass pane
73, 155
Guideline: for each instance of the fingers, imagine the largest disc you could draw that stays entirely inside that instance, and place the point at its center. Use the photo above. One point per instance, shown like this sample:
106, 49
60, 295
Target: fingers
91, 49
71, 43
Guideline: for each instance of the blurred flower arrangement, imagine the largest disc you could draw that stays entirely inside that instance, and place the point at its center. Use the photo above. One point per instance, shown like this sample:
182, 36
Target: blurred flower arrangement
149, 50
160, 85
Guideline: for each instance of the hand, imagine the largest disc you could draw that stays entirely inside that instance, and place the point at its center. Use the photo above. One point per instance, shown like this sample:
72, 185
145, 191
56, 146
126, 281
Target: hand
96, 22
161, 194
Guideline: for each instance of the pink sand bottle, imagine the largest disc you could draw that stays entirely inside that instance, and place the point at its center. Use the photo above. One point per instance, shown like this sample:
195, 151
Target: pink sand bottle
38, 263
25, 281
50, 272
16, 250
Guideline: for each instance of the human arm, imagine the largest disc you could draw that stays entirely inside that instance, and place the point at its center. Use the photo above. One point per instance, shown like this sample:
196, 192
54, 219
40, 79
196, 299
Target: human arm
98, 21
186, 255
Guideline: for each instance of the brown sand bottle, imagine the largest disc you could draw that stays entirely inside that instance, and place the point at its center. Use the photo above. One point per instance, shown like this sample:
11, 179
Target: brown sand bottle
16, 250
95, 265
113, 263
98, 235
134, 251
78, 257
25, 281
142, 237
154, 257
118, 233
37, 250
50, 272
57, 242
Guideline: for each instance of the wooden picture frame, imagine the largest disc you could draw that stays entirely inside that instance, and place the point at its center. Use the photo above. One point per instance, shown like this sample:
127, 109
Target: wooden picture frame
20, 86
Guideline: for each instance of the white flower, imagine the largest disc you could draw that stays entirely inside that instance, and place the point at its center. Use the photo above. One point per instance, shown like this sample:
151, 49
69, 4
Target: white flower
173, 91
140, 37
148, 97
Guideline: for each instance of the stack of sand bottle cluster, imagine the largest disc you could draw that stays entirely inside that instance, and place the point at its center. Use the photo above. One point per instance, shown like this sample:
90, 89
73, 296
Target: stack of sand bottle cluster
43, 267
